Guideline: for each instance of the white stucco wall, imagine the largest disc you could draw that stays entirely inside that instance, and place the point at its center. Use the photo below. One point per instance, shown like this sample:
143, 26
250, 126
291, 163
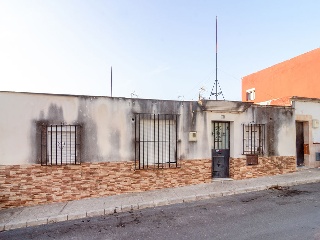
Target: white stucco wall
235, 119
311, 109
287, 140
108, 125
279, 125
19, 113
307, 111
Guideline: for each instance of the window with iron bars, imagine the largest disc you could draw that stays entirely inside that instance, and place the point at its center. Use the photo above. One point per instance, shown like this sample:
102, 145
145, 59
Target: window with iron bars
156, 137
253, 139
60, 144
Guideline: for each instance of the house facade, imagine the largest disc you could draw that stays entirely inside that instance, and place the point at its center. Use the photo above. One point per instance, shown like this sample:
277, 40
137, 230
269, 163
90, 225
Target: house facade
298, 76
60, 147
294, 83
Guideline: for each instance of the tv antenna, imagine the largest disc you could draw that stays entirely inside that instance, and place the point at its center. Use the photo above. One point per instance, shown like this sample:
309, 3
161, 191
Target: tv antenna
111, 82
133, 94
216, 83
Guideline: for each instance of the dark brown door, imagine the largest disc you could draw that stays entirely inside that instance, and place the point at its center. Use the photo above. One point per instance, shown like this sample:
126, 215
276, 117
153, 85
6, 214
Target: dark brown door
299, 143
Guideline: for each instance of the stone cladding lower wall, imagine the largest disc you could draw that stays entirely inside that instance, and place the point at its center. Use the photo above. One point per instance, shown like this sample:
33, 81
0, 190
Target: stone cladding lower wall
26, 185
267, 166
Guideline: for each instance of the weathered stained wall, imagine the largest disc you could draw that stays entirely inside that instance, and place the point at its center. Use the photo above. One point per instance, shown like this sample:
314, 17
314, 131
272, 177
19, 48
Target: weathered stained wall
107, 124
108, 152
279, 125
298, 76
280, 129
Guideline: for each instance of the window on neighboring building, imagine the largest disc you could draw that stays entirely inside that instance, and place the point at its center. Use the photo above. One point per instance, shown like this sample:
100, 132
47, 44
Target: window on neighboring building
60, 144
156, 141
251, 94
253, 139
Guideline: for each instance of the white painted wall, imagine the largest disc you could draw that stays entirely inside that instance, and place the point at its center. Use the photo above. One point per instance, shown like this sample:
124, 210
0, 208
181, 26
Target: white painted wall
307, 111
235, 119
19, 113
108, 126
284, 128
310, 109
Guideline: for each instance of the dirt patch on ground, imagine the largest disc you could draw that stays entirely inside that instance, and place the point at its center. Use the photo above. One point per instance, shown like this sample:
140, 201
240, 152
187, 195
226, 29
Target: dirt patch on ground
286, 191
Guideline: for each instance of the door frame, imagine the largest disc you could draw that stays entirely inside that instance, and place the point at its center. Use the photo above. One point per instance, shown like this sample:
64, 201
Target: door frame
300, 143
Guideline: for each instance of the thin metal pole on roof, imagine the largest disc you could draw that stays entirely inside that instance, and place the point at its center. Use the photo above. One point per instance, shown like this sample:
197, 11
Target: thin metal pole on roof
216, 58
111, 81
214, 91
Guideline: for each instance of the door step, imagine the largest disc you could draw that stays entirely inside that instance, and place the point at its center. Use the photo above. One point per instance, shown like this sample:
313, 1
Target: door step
221, 179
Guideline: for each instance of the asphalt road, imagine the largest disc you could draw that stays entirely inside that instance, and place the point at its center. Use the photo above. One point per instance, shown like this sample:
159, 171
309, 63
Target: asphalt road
285, 213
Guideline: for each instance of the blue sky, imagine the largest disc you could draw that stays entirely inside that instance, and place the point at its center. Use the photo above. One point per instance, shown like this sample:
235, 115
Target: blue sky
159, 49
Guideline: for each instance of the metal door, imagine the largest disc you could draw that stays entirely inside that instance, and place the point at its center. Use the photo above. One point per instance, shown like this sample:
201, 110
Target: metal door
299, 143
221, 149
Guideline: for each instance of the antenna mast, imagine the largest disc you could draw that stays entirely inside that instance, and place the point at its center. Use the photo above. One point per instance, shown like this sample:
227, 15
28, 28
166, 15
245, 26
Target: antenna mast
216, 58
111, 81
216, 93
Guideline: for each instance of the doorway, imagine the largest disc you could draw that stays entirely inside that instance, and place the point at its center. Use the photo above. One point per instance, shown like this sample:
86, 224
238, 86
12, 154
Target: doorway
300, 143
220, 149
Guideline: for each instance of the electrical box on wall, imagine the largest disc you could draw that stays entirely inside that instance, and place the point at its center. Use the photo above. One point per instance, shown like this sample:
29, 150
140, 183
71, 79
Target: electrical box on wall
317, 156
192, 136
315, 123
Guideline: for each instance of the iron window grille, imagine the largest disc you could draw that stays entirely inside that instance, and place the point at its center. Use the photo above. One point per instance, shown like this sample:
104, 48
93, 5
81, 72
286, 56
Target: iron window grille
253, 139
60, 145
221, 133
156, 137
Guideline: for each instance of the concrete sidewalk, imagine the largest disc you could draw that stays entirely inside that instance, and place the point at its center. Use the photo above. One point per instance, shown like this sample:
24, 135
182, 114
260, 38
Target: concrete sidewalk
57, 212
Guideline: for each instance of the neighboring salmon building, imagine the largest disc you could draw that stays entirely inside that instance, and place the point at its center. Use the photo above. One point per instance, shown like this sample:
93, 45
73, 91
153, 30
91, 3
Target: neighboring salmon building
294, 83
275, 85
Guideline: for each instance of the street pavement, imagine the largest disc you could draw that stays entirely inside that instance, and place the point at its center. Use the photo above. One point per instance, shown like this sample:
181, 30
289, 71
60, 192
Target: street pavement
57, 212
